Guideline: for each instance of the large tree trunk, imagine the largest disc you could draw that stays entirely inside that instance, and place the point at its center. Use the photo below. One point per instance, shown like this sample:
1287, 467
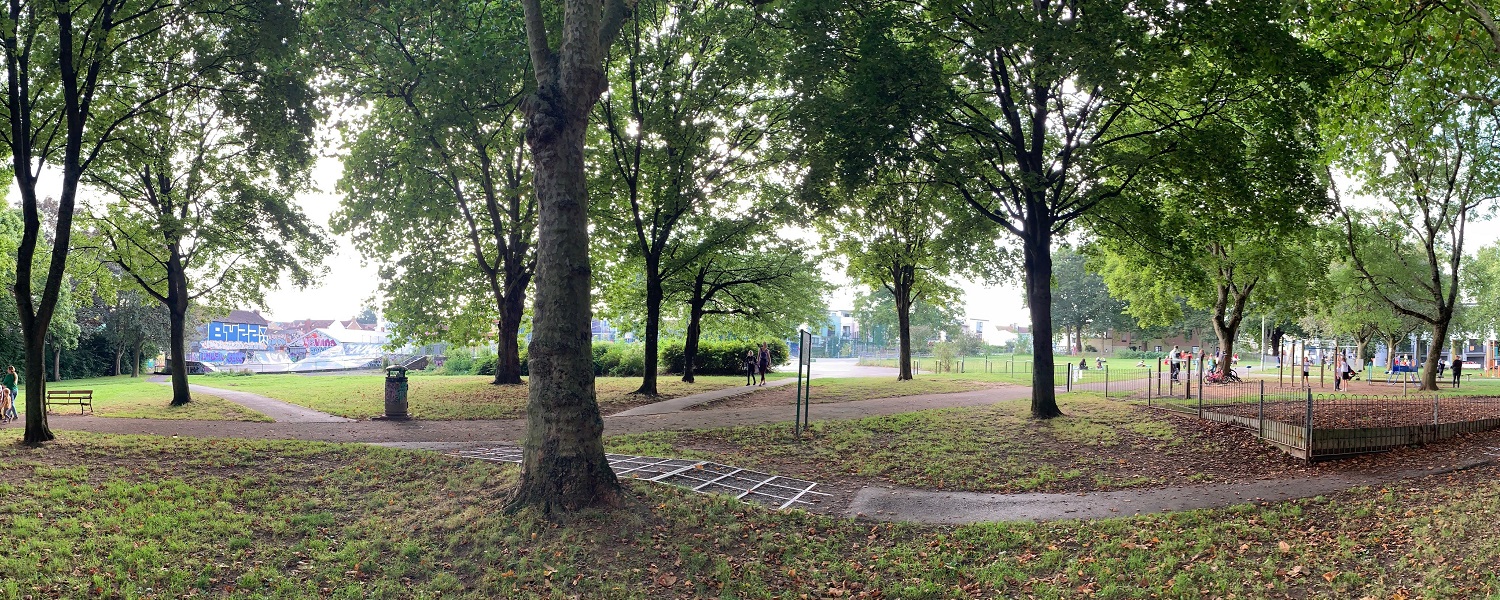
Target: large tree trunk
690, 345
135, 367
178, 360
563, 467
56, 362
1037, 248
37, 430
119, 355
653, 325
1359, 352
1434, 354
903, 328
508, 353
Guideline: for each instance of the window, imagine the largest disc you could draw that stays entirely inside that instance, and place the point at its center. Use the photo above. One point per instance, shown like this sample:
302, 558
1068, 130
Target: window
846, 331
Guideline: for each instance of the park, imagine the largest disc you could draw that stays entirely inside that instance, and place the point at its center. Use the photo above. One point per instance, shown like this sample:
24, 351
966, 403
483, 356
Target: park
760, 299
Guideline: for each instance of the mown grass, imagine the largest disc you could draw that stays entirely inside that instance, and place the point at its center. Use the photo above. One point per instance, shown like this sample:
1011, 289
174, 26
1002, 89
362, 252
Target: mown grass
137, 398
847, 389
103, 516
446, 398
1098, 445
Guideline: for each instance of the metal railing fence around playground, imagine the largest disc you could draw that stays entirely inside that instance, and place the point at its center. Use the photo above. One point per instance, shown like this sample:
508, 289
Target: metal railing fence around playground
929, 364
1317, 426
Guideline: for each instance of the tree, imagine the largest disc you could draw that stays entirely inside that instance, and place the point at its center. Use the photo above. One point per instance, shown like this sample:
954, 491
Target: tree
1080, 298
685, 138
436, 184
1048, 111
1226, 221
190, 214
757, 284
563, 467
1434, 166
77, 73
934, 313
131, 324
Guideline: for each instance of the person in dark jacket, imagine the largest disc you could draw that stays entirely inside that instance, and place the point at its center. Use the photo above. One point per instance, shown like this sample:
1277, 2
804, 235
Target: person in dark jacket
1458, 368
750, 364
765, 362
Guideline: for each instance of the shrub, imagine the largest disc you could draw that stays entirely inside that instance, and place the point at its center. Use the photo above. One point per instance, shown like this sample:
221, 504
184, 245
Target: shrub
946, 354
721, 357
619, 359
1140, 355
458, 362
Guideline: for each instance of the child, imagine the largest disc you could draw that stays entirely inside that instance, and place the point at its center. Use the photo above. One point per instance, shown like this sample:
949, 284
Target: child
751, 362
6, 404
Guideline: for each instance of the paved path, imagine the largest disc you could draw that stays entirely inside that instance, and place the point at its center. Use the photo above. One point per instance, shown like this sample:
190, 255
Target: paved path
280, 412
954, 508
685, 402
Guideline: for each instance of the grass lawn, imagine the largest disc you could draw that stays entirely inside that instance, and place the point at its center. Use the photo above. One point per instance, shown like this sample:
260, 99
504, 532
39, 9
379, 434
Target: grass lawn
101, 516
1099, 445
447, 397
136, 398
845, 389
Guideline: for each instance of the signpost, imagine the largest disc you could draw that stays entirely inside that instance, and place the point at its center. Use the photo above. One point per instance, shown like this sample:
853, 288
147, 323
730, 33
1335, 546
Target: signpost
804, 392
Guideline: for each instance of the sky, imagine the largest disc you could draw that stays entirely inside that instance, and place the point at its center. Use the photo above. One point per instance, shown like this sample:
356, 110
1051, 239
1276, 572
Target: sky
352, 280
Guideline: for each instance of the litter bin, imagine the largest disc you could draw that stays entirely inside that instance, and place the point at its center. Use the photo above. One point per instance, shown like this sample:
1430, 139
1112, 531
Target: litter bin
395, 392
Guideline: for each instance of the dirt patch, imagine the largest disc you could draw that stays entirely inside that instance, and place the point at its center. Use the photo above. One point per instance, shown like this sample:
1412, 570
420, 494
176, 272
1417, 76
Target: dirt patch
1354, 412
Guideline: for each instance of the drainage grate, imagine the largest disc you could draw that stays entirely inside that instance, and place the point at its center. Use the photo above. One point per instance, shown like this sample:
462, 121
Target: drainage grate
700, 476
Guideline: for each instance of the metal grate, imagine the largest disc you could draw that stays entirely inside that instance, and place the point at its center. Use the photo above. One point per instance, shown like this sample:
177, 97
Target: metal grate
700, 476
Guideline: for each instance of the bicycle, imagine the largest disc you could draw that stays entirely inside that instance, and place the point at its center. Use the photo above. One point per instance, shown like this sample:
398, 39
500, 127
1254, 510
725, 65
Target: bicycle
1229, 376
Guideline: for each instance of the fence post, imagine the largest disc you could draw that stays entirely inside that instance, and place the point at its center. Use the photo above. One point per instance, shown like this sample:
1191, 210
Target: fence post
1261, 422
1148, 387
1435, 411
1106, 381
1200, 399
1068, 387
1308, 434
1188, 381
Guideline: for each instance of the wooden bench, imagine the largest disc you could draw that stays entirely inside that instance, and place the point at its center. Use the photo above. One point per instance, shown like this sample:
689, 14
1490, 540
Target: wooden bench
80, 398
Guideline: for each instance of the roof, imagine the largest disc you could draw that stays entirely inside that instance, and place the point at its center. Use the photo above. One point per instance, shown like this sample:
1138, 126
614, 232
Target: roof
246, 317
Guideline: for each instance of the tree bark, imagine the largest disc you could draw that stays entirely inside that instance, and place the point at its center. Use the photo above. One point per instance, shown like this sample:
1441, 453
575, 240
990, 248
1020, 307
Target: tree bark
690, 345
135, 368
56, 362
653, 325
508, 353
903, 326
1037, 248
119, 355
1435, 354
563, 467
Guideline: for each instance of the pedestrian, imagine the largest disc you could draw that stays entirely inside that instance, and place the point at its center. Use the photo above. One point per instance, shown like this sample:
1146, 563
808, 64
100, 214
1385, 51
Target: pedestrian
764, 362
1306, 365
750, 363
1458, 368
1440, 366
1083, 364
8, 381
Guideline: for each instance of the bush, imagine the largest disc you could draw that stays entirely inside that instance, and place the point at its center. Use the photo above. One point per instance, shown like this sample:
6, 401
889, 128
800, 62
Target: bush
946, 354
619, 359
1140, 355
721, 357
458, 362
484, 364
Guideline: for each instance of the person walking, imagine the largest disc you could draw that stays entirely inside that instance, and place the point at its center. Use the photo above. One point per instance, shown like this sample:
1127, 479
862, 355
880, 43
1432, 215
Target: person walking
750, 364
764, 362
9, 380
1458, 370
1306, 366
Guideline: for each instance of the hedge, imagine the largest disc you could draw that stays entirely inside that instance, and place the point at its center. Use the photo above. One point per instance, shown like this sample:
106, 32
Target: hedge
721, 357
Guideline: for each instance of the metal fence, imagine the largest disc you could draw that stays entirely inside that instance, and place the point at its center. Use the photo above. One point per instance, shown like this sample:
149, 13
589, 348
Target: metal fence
1320, 426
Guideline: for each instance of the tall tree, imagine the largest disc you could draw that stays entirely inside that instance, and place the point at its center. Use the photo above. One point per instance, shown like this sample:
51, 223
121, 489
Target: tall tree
1080, 299
564, 468
77, 72
191, 214
1227, 221
686, 137
131, 323
437, 184
757, 284
1435, 167
905, 234
1048, 110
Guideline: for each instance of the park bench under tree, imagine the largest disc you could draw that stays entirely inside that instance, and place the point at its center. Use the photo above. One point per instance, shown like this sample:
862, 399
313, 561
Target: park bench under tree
80, 398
